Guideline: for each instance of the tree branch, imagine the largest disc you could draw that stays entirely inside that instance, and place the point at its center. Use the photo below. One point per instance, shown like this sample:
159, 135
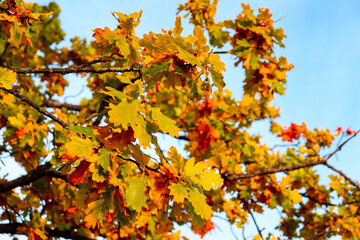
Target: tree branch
253, 218
298, 166
74, 70
39, 172
17, 94
221, 52
53, 103
344, 175
273, 170
341, 145
327, 203
13, 228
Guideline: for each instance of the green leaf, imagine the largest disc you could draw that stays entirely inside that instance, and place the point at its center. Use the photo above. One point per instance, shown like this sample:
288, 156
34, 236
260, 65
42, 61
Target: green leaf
243, 43
2, 45
104, 158
198, 201
116, 94
122, 44
87, 131
166, 124
217, 78
179, 191
124, 114
7, 77
135, 197
15, 34
155, 68
141, 132
278, 87
188, 57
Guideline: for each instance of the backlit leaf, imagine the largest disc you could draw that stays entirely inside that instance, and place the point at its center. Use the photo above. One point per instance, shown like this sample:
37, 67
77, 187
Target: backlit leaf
80, 147
179, 191
198, 201
166, 125
135, 194
7, 77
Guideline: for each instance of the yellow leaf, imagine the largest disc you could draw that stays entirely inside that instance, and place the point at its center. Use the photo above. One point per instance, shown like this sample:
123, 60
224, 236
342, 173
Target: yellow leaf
166, 125
7, 77
295, 196
198, 201
210, 180
18, 121
179, 191
124, 114
257, 237
199, 174
80, 147
191, 169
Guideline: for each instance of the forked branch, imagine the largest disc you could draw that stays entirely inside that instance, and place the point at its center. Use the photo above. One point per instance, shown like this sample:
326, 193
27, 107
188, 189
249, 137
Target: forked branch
17, 94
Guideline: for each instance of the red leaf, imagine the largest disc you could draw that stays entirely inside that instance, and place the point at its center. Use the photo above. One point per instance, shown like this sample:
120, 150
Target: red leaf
209, 225
79, 173
292, 132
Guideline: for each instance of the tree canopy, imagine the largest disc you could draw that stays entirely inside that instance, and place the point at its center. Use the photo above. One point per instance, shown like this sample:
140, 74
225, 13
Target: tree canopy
95, 168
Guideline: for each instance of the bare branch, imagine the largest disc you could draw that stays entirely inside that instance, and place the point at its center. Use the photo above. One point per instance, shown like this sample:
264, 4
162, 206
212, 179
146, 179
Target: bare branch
75, 70
298, 166
273, 170
53, 103
341, 145
17, 94
221, 52
327, 203
15, 228
39, 172
344, 175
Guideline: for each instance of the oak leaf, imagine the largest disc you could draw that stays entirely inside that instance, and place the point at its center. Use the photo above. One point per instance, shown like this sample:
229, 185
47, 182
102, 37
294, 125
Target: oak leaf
135, 197
79, 147
7, 77
198, 201
179, 191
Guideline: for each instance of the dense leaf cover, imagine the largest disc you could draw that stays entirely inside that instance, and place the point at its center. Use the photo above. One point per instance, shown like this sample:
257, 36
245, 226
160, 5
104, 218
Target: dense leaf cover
89, 168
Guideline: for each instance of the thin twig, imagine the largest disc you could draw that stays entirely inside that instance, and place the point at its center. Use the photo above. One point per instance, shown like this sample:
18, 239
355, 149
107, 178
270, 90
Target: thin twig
273, 170
93, 62
221, 52
328, 203
344, 175
76, 95
253, 218
14, 210
17, 94
341, 145
298, 166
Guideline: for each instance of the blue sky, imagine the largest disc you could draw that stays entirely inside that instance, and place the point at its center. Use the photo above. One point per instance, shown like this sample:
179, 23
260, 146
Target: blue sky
322, 42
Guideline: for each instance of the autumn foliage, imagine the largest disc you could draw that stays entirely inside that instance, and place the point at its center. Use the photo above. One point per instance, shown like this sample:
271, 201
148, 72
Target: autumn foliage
96, 168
